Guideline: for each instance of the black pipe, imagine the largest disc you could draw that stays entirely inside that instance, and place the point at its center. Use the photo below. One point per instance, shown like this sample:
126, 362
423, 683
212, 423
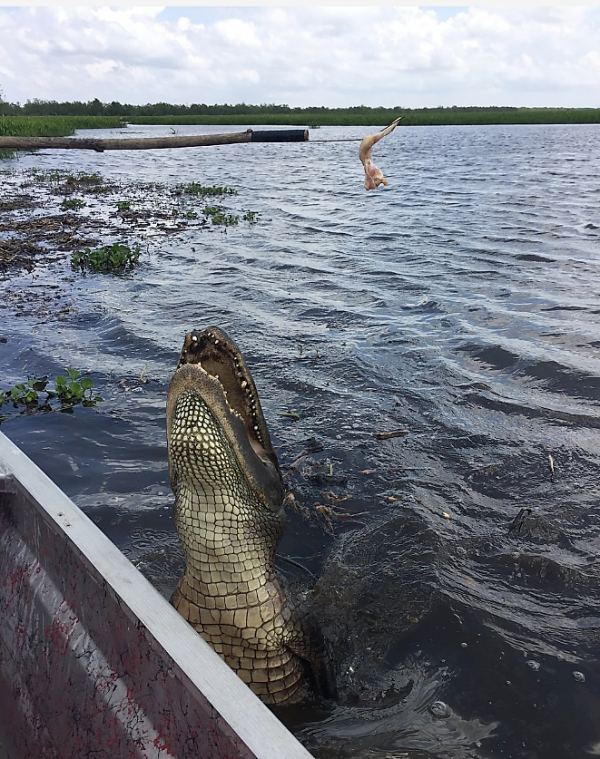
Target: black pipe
280, 135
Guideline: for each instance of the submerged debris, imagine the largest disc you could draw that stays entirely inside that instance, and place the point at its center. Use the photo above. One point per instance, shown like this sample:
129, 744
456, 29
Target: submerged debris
50, 236
517, 523
390, 434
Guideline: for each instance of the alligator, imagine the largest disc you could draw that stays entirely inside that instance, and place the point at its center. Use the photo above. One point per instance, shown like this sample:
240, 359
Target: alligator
229, 515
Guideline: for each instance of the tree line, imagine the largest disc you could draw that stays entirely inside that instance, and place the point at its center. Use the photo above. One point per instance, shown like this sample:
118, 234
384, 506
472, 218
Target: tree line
272, 113
95, 107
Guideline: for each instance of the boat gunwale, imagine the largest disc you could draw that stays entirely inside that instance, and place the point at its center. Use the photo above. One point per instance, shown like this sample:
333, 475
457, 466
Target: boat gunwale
250, 723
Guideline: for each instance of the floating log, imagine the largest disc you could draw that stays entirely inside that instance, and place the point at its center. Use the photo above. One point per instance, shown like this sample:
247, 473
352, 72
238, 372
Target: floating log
153, 143
279, 135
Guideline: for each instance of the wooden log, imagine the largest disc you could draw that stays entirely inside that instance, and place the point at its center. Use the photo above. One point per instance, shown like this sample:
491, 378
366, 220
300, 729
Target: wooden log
151, 143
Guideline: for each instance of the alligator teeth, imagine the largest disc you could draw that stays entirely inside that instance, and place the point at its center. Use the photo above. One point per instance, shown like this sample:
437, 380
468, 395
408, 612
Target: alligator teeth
244, 383
194, 338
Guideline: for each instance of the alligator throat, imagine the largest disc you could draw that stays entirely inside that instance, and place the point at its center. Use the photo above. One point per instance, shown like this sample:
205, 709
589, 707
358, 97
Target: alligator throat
229, 517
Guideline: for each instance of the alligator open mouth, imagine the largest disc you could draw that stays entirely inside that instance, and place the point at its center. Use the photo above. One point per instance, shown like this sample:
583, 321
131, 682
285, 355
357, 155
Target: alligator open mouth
212, 368
216, 353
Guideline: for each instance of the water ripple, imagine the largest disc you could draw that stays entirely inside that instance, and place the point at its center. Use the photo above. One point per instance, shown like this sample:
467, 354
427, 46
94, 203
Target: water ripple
459, 304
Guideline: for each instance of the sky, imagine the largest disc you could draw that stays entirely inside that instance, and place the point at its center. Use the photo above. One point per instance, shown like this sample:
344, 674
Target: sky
333, 56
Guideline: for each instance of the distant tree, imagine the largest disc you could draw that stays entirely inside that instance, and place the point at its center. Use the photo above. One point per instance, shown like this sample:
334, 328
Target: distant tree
95, 108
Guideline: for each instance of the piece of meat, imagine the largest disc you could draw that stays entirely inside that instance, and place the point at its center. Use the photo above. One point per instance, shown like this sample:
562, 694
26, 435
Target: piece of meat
373, 176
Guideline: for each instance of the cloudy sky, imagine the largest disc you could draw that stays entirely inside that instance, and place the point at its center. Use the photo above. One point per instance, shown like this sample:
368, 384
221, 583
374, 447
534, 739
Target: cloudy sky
334, 56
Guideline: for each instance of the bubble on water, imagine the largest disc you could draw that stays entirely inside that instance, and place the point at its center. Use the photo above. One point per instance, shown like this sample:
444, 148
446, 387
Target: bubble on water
440, 709
534, 665
579, 676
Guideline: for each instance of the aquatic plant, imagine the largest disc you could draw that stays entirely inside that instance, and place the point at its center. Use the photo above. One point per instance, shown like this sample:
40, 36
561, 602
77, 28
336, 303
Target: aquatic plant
69, 391
83, 178
22, 393
220, 217
110, 258
194, 188
43, 175
72, 204
250, 216
74, 389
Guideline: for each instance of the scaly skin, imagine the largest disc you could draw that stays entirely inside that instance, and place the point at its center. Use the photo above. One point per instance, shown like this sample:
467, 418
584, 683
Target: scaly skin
229, 517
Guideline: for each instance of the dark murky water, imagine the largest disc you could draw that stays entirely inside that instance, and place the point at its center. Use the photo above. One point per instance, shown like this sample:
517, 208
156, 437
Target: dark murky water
461, 304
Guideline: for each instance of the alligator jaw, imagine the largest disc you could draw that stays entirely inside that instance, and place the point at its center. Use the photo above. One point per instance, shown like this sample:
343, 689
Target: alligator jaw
212, 367
218, 355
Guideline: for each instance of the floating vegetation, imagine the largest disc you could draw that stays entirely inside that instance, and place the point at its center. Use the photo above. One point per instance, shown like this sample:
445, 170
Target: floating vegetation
72, 204
84, 178
133, 210
39, 175
23, 240
219, 217
194, 188
74, 389
63, 183
24, 394
84, 182
115, 258
69, 390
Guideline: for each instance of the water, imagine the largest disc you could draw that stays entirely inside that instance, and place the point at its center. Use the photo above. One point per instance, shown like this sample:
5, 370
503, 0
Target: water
460, 304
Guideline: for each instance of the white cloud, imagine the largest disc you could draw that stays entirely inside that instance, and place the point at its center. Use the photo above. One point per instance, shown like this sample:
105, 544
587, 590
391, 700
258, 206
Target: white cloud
237, 33
332, 55
101, 69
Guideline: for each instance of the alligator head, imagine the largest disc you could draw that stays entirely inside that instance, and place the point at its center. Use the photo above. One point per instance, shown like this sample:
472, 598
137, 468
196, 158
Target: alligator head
229, 517
212, 370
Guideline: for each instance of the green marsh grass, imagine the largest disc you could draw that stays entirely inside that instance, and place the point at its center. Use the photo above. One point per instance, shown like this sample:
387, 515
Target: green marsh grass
314, 118
51, 126
54, 126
